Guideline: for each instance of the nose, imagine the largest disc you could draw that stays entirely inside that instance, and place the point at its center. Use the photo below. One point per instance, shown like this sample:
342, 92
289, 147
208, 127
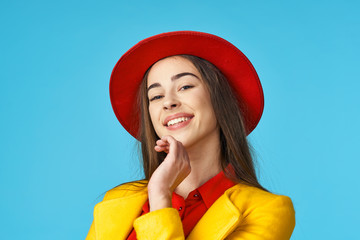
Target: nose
170, 102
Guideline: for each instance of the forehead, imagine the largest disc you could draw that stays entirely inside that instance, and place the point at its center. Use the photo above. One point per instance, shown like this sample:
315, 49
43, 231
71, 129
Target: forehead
165, 68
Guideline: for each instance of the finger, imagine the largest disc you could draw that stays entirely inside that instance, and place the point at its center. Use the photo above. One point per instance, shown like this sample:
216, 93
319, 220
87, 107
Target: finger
176, 148
161, 149
169, 139
161, 143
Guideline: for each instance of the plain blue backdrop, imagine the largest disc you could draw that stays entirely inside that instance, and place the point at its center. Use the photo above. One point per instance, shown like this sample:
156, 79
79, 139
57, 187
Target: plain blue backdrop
61, 146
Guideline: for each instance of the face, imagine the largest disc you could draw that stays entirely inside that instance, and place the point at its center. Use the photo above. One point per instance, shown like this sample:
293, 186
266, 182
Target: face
179, 102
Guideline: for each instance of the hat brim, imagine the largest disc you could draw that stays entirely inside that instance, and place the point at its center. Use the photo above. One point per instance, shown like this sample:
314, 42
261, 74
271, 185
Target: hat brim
129, 71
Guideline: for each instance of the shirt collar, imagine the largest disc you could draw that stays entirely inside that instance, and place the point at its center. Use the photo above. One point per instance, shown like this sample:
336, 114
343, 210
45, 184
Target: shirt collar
214, 188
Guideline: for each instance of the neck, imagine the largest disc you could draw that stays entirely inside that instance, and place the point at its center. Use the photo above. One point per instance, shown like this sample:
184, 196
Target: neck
205, 160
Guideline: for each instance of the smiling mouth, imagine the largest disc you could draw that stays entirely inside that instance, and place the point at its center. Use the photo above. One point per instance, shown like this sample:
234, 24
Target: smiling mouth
177, 121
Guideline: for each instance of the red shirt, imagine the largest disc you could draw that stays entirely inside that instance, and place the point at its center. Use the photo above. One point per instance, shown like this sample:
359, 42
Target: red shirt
196, 204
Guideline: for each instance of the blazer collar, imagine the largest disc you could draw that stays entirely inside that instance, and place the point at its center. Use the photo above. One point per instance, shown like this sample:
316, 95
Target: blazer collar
114, 218
218, 221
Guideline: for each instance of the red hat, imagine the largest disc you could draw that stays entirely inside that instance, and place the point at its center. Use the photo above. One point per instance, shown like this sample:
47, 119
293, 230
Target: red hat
128, 72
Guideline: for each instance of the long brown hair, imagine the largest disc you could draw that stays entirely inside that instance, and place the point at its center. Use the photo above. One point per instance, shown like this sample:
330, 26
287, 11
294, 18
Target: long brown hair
235, 149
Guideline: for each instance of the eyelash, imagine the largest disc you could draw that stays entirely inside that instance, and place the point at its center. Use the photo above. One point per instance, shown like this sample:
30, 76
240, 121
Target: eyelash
156, 98
181, 89
186, 87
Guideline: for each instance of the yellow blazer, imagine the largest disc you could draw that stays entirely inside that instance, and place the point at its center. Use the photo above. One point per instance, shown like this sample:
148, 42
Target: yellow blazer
241, 213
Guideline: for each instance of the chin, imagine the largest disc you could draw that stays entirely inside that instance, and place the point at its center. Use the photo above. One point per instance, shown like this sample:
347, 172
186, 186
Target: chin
179, 136
186, 139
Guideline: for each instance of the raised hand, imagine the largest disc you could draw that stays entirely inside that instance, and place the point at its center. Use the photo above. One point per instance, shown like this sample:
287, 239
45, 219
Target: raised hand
171, 172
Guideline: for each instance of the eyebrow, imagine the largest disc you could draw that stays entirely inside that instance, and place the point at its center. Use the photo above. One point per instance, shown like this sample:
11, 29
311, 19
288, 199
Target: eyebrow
173, 78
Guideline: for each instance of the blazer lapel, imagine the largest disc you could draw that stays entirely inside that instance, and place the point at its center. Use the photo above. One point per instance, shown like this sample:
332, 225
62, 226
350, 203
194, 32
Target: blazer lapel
218, 221
114, 218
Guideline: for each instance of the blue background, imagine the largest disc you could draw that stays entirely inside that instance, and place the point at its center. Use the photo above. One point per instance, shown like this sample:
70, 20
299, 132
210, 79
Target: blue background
61, 146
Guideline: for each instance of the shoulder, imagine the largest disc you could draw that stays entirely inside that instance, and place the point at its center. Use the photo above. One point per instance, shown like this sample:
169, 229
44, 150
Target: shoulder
263, 215
253, 195
126, 189
255, 202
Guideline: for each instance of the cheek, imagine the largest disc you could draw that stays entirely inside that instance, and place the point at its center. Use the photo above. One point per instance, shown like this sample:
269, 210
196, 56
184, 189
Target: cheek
152, 113
204, 102
208, 110
154, 116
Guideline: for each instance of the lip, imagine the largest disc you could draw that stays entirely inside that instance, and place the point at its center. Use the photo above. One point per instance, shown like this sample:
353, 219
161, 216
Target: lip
177, 115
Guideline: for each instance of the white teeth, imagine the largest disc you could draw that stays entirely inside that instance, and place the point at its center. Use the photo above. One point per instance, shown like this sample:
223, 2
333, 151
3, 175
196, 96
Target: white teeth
177, 120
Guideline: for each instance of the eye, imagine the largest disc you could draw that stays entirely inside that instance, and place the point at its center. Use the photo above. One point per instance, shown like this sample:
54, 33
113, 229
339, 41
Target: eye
155, 98
186, 87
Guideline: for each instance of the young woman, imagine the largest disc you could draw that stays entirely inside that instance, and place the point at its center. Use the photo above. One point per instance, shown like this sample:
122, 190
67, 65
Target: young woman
191, 99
